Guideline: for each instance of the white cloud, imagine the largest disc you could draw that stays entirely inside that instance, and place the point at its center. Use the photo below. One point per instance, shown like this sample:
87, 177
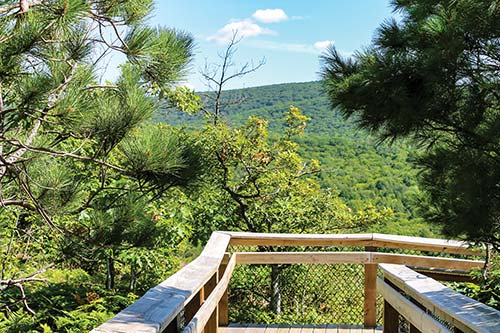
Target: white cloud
285, 47
243, 28
323, 44
270, 15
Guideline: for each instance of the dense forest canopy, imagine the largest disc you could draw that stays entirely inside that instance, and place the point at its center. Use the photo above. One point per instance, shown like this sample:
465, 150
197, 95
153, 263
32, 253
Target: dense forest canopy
353, 163
107, 187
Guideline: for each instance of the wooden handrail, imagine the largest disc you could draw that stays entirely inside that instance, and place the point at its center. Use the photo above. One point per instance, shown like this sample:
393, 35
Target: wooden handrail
415, 315
197, 287
270, 258
159, 307
197, 324
354, 240
468, 315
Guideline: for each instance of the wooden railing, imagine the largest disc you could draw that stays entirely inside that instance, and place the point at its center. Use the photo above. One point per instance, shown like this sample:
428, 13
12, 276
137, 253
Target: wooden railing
195, 300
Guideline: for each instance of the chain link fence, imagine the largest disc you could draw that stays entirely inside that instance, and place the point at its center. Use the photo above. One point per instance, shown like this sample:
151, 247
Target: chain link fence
316, 294
300, 293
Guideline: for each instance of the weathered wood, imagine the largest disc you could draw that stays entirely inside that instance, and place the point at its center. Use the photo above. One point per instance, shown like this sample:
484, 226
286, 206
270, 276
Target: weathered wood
353, 258
424, 244
461, 311
302, 257
373, 240
410, 311
391, 319
154, 311
223, 307
161, 305
193, 306
209, 307
429, 262
297, 329
370, 293
213, 320
445, 275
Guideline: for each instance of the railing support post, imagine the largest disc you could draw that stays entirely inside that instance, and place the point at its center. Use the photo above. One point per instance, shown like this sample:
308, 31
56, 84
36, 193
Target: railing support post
193, 306
391, 319
213, 322
370, 305
224, 302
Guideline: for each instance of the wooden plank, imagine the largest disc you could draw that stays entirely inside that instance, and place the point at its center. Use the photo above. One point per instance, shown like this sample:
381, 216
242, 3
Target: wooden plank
370, 293
223, 307
206, 311
354, 258
376, 240
255, 329
423, 261
304, 329
272, 328
320, 329
445, 275
461, 311
213, 320
160, 305
424, 244
193, 306
307, 329
410, 311
302, 257
248, 238
391, 319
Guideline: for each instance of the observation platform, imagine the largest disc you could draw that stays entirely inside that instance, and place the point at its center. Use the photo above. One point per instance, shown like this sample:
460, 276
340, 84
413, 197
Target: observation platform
304, 283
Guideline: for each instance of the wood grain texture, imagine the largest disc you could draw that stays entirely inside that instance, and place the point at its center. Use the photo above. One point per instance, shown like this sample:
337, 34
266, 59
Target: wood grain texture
461, 311
417, 317
209, 307
375, 240
297, 329
160, 305
355, 258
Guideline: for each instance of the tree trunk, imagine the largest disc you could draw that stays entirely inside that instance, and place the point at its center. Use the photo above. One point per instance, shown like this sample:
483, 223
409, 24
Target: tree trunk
276, 289
133, 278
110, 276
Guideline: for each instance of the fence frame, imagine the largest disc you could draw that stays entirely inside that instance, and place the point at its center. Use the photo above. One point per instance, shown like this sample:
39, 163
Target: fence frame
198, 292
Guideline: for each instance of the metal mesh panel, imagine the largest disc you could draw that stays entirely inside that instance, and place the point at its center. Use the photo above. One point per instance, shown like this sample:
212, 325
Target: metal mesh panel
302, 294
308, 294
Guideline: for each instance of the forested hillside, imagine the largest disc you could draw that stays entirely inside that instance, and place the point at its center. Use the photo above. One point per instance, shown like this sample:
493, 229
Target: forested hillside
362, 170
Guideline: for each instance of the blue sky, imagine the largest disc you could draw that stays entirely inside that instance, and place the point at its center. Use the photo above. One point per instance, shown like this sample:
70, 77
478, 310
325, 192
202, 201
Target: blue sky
288, 34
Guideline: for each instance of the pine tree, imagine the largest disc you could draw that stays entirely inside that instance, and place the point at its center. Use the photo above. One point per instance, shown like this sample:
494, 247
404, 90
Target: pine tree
73, 144
433, 76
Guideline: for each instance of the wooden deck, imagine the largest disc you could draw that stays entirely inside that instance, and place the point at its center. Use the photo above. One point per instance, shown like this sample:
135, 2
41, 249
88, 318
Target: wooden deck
253, 328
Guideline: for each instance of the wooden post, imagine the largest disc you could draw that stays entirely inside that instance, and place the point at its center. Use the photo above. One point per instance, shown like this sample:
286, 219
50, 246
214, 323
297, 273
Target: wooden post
391, 319
391, 316
213, 322
224, 302
193, 306
370, 305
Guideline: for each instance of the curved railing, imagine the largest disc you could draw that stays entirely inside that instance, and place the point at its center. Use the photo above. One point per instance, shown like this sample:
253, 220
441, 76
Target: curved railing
195, 298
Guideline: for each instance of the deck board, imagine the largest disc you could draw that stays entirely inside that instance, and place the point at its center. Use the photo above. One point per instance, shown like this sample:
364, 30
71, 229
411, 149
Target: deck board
245, 328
